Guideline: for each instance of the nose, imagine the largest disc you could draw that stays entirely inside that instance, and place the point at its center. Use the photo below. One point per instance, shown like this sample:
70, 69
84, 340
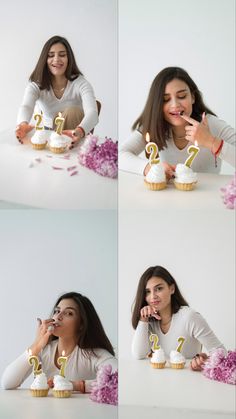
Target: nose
174, 101
59, 316
153, 294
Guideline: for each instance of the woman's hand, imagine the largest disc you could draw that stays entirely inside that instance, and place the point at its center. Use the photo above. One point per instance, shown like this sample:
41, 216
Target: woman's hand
22, 130
75, 135
169, 170
149, 311
198, 361
50, 382
198, 131
42, 335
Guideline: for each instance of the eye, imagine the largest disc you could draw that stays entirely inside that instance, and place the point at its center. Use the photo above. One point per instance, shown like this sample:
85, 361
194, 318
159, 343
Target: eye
147, 292
68, 313
56, 311
165, 100
182, 97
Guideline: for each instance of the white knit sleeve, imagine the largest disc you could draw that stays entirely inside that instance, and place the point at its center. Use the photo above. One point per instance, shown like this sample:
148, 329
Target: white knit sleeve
103, 358
201, 331
27, 107
129, 159
140, 343
223, 131
16, 373
89, 105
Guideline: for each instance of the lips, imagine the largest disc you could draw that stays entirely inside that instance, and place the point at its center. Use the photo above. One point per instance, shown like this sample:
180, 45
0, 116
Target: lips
154, 303
176, 113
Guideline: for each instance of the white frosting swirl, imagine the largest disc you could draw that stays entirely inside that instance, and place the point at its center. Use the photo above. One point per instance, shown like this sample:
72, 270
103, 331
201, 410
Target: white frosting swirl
61, 383
156, 174
176, 357
40, 382
184, 174
39, 137
158, 356
57, 140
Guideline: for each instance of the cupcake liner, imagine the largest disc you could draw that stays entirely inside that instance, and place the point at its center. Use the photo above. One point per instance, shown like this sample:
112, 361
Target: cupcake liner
155, 186
39, 393
39, 146
158, 365
185, 186
57, 150
62, 393
179, 366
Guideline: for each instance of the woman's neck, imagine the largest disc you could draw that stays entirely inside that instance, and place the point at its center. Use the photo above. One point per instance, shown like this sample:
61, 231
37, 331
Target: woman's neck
59, 82
165, 314
67, 345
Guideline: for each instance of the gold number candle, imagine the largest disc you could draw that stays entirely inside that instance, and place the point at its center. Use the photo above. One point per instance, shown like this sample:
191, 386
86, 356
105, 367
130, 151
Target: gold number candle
59, 121
193, 150
154, 338
152, 149
38, 117
62, 360
181, 341
34, 361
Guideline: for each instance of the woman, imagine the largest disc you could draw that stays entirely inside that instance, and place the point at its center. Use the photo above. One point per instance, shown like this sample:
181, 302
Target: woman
176, 116
57, 85
161, 309
74, 328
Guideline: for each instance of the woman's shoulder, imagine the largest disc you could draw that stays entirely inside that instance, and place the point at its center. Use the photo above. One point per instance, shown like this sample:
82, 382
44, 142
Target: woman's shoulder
187, 312
215, 122
79, 81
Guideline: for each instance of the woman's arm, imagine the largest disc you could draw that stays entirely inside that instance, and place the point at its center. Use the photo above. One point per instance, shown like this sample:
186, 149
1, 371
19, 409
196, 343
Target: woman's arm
103, 358
27, 106
129, 159
203, 333
89, 104
16, 373
140, 343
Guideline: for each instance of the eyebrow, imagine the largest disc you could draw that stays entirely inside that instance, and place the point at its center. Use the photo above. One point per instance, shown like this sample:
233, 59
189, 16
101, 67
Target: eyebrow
71, 308
157, 285
53, 52
179, 91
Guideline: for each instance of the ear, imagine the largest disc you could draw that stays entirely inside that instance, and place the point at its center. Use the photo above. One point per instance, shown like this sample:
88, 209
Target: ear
193, 99
172, 289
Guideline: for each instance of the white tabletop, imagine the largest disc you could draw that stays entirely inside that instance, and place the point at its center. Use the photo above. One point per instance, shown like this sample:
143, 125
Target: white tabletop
207, 195
19, 404
168, 389
24, 180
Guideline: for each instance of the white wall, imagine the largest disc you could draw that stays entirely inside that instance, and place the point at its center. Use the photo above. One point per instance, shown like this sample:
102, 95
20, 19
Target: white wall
197, 247
198, 36
45, 254
91, 28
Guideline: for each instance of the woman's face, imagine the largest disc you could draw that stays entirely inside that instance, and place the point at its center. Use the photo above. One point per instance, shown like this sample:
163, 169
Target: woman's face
177, 98
158, 293
66, 316
57, 60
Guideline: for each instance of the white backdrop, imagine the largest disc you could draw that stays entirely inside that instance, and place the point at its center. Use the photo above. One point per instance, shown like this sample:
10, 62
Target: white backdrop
90, 27
197, 248
45, 254
198, 36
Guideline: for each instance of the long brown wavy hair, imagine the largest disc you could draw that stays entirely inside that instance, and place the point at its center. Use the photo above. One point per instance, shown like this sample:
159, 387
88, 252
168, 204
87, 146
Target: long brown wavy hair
91, 334
152, 120
177, 300
41, 74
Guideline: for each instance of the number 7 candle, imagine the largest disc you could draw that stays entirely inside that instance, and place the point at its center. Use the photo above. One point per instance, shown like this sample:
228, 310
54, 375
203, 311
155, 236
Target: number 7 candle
193, 150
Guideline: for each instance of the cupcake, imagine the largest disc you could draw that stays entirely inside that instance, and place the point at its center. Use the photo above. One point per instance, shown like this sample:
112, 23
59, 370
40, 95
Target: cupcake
177, 360
39, 140
62, 387
39, 387
156, 178
58, 143
185, 178
158, 359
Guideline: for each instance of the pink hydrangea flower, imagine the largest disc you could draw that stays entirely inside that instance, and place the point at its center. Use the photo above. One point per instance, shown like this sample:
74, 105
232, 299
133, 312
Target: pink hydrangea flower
101, 158
229, 194
221, 367
105, 388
